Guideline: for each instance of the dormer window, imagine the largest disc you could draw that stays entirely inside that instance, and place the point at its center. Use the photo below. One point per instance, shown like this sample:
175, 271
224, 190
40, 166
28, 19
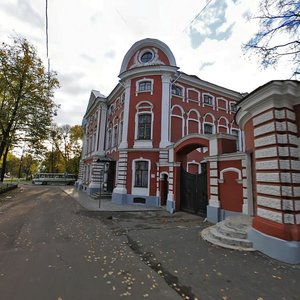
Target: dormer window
177, 90
146, 57
207, 99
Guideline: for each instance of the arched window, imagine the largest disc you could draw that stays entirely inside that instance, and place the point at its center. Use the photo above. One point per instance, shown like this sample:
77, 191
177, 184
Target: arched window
223, 125
144, 125
209, 124
108, 142
121, 127
193, 123
177, 123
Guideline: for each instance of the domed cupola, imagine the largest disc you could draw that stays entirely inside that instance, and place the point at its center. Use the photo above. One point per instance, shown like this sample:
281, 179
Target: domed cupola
148, 52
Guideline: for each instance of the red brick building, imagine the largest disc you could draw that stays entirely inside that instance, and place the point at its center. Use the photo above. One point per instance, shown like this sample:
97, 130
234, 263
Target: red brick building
166, 138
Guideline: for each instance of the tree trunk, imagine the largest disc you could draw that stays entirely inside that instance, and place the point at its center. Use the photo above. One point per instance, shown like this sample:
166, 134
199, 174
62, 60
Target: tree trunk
4, 165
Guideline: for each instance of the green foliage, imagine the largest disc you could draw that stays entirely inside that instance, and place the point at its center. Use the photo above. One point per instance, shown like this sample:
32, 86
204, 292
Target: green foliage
66, 144
278, 35
26, 92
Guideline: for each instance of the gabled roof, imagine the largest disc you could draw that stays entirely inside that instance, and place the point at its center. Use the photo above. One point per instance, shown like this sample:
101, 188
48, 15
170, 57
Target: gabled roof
95, 95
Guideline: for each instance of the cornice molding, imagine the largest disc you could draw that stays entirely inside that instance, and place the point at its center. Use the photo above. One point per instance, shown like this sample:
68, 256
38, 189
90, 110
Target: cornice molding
274, 94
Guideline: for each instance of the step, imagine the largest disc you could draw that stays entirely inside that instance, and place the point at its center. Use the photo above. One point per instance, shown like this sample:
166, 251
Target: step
104, 195
240, 223
226, 230
211, 235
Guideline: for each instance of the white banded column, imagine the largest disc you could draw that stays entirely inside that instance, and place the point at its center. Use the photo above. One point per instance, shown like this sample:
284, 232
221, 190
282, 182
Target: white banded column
121, 173
213, 184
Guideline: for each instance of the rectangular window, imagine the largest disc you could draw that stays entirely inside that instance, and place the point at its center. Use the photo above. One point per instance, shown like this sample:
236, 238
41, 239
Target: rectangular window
108, 139
94, 141
145, 86
115, 141
144, 127
208, 129
237, 135
141, 174
207, 99
121, 132
176, 90
233, 107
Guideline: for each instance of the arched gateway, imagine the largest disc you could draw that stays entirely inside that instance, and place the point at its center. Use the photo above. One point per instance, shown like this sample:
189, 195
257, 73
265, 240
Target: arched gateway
191, 185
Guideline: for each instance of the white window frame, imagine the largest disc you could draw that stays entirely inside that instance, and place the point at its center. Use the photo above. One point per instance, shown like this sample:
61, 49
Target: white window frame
121, 124
192, 100
179, 86
210, 123
193, 120
177, 116
109, 139
231, 111
194, 163
114, 139
140, 191
144, 107
212, 100
137, 91
223, 100
238, 141
223, 126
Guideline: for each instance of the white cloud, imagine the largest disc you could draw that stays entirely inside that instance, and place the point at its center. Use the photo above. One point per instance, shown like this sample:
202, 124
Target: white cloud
88, 41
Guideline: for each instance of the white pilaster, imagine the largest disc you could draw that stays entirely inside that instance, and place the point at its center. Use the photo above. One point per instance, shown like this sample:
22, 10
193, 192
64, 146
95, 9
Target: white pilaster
124, 142
165, 107
102, 129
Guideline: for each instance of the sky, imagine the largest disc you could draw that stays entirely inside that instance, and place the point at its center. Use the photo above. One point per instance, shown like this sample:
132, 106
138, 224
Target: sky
88, 40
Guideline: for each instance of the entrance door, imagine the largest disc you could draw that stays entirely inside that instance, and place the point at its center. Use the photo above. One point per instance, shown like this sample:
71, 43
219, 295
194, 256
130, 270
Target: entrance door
111, 176
164, 188
193, 192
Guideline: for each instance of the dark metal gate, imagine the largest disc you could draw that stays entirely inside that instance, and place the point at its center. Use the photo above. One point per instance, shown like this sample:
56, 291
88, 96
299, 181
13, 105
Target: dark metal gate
193, 192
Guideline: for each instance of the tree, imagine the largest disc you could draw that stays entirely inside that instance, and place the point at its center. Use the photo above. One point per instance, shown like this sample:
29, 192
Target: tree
26, 92
278, 34
65, 154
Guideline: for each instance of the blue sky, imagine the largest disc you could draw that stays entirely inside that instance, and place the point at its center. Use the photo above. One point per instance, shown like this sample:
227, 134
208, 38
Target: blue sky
89, 38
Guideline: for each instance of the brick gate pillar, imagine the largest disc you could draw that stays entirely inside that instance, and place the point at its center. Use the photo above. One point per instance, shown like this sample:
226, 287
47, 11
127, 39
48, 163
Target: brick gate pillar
276, 160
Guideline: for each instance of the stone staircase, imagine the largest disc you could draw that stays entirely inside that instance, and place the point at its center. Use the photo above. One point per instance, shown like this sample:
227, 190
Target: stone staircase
230, 233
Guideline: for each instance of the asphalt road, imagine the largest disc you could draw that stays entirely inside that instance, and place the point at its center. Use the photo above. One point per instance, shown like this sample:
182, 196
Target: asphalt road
51, 248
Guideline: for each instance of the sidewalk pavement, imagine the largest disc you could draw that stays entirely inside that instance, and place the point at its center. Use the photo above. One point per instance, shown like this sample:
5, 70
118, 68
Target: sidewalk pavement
92, 204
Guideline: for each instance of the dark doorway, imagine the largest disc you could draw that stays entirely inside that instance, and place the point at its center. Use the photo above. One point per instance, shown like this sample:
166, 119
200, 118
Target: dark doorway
164, 188
111, 171
193, 191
